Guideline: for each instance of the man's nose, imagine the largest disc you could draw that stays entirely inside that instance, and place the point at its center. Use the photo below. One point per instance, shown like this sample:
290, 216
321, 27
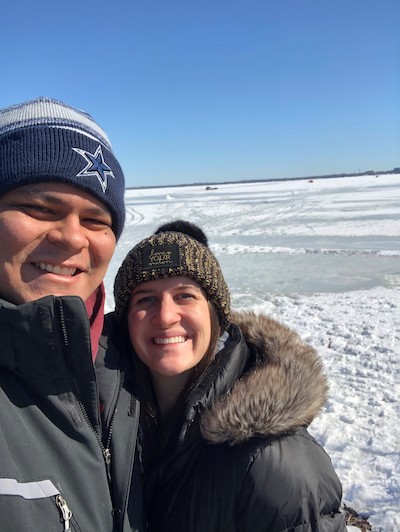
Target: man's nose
69, 233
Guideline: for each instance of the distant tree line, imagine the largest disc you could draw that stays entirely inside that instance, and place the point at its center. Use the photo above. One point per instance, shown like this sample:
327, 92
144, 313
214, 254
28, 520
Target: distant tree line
367, 172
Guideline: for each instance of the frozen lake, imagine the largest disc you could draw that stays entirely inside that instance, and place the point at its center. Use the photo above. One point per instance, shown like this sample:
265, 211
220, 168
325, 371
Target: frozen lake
308, 274
331, 235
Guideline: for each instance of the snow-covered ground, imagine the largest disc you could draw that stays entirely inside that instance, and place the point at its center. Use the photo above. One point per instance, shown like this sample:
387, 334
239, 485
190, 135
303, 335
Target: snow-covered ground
324, 258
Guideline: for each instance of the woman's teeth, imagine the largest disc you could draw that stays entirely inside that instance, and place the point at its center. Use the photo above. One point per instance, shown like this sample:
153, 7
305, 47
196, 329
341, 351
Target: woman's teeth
172, 340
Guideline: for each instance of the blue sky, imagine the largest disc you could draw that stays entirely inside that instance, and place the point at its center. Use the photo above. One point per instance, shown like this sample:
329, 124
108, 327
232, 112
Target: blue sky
217, 90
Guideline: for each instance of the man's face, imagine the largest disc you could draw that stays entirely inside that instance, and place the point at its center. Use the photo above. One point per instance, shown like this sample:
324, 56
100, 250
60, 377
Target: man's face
55, 239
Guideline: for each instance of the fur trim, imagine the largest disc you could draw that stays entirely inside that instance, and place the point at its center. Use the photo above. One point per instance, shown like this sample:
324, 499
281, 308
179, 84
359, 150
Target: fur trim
285, 391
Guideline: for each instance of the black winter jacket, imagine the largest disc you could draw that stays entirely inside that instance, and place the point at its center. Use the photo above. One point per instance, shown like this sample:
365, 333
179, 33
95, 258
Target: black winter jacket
240, 458
54, 449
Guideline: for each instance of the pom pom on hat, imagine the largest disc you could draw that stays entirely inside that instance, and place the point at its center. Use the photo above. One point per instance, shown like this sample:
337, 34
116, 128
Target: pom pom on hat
46, 140
188, 228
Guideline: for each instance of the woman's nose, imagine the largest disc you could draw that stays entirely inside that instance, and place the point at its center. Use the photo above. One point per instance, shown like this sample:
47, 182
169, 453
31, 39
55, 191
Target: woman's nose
69, 233
167, 312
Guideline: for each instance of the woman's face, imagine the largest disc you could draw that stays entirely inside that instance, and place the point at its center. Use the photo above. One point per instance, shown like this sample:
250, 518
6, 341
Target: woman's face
169, 325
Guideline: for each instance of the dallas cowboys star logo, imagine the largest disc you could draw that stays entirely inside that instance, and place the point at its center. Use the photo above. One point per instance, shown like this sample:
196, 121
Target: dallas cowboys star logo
95, 166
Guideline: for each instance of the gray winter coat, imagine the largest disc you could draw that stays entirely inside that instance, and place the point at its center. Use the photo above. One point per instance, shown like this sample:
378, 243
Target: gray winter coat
60, 467
240, 458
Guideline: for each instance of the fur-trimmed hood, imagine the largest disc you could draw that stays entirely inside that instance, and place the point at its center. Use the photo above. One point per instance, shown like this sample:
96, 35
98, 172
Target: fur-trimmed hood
285, 389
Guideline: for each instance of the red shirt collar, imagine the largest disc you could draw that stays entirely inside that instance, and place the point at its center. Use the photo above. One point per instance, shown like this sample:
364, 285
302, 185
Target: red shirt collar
95, 309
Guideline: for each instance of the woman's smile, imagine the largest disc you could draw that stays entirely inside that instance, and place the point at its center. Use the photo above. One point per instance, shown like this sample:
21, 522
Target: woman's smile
172, 340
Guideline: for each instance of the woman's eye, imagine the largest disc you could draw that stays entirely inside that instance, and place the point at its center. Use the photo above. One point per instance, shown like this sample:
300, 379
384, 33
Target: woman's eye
144, 300
185, 296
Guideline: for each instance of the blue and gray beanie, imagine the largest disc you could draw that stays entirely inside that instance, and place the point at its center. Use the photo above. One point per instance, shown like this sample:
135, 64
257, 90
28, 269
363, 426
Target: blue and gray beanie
46, 140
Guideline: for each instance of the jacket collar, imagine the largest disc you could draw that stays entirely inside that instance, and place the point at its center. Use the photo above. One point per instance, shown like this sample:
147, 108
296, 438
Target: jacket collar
31, 334
284, 390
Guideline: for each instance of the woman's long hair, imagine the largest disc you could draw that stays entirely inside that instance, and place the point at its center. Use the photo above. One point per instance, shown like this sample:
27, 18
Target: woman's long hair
156, 429
201, 367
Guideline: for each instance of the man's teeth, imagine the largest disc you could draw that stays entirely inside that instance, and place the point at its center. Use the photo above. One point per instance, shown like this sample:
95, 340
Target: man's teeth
172, 340
58, 270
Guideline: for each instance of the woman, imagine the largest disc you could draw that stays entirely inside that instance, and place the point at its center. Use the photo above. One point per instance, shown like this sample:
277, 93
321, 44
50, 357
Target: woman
226, 399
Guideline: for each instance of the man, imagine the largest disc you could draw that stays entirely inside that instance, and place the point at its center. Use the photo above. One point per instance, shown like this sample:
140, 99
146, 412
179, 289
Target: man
67, 436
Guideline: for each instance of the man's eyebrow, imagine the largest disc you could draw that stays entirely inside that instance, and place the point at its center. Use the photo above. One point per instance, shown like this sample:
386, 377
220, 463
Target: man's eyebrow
55, 200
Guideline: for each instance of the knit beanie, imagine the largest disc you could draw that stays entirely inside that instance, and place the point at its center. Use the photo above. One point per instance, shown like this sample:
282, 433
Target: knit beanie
46, 140
172, 252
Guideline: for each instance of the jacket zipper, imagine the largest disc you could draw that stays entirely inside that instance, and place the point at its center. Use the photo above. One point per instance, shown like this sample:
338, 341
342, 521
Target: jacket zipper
66, 513
104, 449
